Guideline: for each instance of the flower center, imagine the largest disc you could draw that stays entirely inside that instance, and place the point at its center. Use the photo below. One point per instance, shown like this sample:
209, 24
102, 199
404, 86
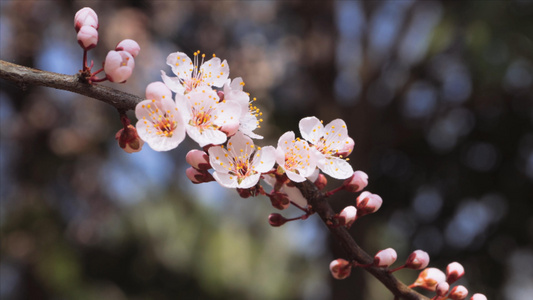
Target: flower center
163, 121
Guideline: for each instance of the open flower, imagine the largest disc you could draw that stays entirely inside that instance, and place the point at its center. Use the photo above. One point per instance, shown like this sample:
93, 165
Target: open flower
328, 141
160, 123
190, 75
233, 91
204, 115
240, 164
294, 157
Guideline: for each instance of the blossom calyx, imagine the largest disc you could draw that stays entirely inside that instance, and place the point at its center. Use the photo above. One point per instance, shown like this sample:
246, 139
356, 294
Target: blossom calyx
340, 268
85, 17
417, 260
130, 46
429, 278
385, 258
129, 140
276, 220
118, 66
458, 292
454, 271
279, 200
198, 159
357, 182
368, 203
87, 37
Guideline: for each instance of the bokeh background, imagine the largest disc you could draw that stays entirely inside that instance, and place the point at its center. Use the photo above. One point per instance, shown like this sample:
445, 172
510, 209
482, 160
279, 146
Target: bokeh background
436, 94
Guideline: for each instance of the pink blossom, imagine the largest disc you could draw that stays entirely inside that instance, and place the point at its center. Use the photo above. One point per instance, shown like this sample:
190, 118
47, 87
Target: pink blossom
385, 258
478, 296
198, 176
87, 37
357, 182
118, 66
85, 17
130, 46
233, 91
442, 288
198, 159
417, 260
340, 268
429, 278
294, 157
241, 163
454, 271
368, 203
329, 141
347, 216
158, 91
458, 293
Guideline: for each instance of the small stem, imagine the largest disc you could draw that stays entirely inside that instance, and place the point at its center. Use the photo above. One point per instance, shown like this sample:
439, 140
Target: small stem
396, 269
330, 193
96, 72
85, 67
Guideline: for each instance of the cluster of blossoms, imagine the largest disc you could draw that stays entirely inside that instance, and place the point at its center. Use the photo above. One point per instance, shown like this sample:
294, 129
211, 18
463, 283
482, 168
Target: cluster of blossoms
119, 63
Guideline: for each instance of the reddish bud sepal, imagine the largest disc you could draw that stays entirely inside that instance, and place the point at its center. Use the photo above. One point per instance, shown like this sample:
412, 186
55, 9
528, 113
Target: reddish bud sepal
417, 260
458, 293
129, 140
340, 268
454, 271
321, 181
368, 203
385, 258
276, 220
429, 278
198, 159
357, 182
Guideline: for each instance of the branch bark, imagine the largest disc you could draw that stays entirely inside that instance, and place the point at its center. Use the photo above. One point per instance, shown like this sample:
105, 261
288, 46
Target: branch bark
24, 76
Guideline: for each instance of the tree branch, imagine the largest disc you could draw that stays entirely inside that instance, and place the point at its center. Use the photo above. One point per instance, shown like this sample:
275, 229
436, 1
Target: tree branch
122, 101
24, 76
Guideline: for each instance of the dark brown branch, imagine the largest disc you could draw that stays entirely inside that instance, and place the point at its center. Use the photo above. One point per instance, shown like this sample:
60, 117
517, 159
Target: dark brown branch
24, 76
321, 206
122, 101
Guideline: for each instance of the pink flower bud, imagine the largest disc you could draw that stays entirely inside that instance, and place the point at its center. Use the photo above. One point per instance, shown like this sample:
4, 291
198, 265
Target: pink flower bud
220, 95
340, 268
157, 90
442, 288
231, 129
348, 148
417, 260
198, 159
458, 293
429, 278
118, 66
321, 181
368, 203
279, 200
357, 182
129, 140
454, 271
198, 176
385, 258
87, 37
347, 216
129, 46
85, 17
478, 296
276, 220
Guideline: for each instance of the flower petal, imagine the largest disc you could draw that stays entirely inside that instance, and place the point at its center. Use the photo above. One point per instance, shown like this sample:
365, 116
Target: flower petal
336, 167
181, 64
215, 73
264, 159
311, 129
173, 83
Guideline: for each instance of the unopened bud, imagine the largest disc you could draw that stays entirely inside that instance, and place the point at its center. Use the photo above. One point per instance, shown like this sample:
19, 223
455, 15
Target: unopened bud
478, 296
417, 260
198, 159
340, 268
85, 17
321, 181
198, 176
347, 216
118, 66
129, 46
231, 129
129, 140
279, 200
276, 220
458, 293
442, 288
87, 37
368, 203
357, 182
385, 258
348, 148
429, 278
454, 271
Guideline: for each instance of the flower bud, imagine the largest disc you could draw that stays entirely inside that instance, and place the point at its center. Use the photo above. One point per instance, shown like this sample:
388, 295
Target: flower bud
85, 17
321, 181
357, 182
348, 148
340, 268
385, 258
118, 66
129, 140
198, 176
347, 216
442, 288
279, 200
198, 159
368, 203
157, 90
417, 260
230, 129
429, 278
129, 46
458, 293
478, 296
87, 37
276, 220
454, 271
